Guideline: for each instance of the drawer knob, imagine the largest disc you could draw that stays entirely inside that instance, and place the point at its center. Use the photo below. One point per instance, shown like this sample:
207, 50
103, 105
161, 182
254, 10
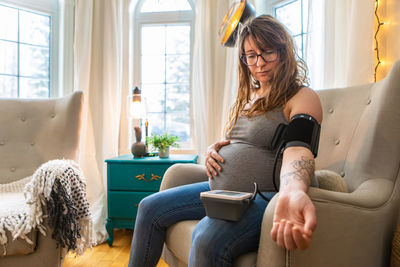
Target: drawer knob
154, 177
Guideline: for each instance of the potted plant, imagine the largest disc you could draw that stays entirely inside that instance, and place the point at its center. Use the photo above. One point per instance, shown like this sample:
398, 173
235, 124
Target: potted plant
162, 142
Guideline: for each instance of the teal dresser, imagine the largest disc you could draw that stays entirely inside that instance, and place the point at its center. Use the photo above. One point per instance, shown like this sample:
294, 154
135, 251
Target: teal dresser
129, 180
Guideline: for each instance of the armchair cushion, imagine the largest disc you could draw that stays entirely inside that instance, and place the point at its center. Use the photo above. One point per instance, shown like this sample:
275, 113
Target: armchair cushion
13, 211
330, 180
14, 201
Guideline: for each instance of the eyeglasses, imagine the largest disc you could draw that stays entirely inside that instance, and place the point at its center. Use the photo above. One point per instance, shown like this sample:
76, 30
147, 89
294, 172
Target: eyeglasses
252, 58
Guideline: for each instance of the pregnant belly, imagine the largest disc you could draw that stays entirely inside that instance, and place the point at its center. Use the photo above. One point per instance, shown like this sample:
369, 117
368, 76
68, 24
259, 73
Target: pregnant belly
244, 164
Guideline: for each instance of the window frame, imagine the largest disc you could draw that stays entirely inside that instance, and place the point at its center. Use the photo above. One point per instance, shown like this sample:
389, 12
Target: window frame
154, 18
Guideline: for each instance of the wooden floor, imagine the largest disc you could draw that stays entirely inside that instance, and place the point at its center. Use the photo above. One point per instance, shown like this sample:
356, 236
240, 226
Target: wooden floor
105, 256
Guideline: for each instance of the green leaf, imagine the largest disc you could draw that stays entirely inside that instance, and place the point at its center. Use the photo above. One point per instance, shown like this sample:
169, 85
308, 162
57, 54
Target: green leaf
163, 140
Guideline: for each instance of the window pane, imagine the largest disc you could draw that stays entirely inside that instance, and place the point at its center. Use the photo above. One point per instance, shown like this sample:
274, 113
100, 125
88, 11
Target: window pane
178, 39
305, 15
8, 86
178, 123
178, 69
297, 41
153, 40
290, 16
156, 123
178, 99
8, 57
165, 5
33, 88
155, 97
24, 53
153, 69
34, 28
34, 61
165, 50
9, 17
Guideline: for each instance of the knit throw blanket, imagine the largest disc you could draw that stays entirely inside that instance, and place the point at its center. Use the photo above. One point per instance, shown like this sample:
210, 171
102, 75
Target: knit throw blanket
56, 191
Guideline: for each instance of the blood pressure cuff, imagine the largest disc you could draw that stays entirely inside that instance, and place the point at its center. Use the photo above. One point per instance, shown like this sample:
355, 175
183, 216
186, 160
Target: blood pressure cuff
302, 130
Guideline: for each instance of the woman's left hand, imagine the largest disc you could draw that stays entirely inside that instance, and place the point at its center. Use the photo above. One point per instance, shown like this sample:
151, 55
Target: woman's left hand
213, 159
294, 220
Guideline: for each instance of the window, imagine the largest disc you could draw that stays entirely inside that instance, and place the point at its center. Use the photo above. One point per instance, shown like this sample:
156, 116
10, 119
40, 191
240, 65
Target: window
28, 49
162, 64
294, 14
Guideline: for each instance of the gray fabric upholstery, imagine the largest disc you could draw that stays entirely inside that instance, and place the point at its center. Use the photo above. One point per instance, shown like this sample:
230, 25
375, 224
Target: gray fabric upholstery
19, 246
365, 122
33, 132
183, 174
46, 254
330, 180
360, 140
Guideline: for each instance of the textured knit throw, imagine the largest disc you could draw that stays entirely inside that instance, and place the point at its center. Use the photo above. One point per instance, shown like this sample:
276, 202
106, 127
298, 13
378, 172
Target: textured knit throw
56, 191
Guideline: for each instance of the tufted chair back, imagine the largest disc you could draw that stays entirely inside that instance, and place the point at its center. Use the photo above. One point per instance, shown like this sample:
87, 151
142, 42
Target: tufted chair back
360, 130
33, 132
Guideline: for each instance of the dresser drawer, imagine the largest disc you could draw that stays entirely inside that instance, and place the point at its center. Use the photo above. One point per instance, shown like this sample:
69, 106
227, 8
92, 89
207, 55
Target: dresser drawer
137, 177
124, 204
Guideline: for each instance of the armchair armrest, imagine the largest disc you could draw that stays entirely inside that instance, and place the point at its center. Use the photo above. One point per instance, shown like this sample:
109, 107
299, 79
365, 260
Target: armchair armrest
181, 174
354, 229
371, 194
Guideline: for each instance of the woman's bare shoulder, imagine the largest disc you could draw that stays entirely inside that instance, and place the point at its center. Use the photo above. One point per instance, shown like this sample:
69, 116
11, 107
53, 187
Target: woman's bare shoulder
305, 101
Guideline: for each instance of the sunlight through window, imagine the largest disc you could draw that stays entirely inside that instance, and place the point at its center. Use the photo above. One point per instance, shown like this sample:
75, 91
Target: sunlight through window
24, 53
165, 34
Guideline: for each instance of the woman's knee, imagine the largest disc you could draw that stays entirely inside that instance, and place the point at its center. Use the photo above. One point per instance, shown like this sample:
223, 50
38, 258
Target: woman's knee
201, 239
148, 206
218, 243
207, 242
201, 245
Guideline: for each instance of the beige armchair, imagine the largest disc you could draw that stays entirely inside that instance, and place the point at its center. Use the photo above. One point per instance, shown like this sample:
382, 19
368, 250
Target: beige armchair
33, 132
360, 140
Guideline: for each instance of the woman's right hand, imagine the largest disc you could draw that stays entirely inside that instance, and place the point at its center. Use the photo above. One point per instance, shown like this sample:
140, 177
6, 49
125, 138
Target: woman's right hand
212, 158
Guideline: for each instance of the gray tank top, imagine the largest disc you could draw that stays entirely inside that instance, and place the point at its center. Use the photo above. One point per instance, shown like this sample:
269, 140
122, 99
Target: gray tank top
249, 157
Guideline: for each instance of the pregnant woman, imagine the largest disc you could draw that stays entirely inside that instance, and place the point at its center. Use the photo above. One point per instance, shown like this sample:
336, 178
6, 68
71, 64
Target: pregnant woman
271, 91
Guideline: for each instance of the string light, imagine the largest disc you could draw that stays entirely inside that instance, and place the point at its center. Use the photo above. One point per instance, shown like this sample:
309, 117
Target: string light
379, 62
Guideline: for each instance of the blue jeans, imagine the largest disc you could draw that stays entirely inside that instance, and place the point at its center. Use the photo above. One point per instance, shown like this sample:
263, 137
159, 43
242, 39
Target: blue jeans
214, 242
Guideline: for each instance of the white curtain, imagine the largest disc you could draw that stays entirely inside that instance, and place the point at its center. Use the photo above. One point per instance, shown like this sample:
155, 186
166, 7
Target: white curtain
214, 76
101, 72
340, 43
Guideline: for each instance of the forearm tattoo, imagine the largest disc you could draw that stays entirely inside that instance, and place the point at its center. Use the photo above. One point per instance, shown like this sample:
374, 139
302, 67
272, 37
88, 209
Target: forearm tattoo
304, 171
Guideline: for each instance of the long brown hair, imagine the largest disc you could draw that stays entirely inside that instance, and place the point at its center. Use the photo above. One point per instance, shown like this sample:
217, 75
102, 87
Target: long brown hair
289, 76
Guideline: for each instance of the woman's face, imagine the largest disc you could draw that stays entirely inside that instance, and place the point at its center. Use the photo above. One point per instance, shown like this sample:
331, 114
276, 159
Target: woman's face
262, 70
